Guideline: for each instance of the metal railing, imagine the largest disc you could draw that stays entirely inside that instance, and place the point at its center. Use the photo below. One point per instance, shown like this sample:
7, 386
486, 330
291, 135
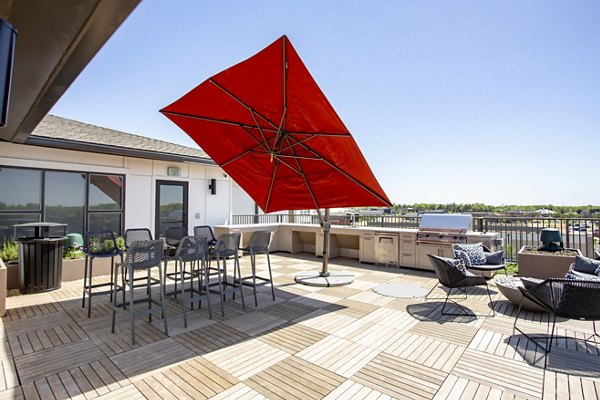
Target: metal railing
516, 232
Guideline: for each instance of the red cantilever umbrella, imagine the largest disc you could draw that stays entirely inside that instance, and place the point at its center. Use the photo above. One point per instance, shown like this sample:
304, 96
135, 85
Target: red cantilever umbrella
267, 123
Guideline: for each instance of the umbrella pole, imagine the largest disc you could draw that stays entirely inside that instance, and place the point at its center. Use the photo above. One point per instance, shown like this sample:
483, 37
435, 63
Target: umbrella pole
326, 225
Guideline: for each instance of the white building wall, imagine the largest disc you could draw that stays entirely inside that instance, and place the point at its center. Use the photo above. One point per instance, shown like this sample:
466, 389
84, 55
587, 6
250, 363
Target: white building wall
140, 182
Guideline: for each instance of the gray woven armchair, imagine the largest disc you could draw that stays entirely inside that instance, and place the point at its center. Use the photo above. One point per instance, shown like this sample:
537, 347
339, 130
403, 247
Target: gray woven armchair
565, 298
453, 278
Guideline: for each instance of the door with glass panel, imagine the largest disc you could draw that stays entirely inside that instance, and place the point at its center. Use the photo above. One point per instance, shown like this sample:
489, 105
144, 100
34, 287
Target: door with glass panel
171, 206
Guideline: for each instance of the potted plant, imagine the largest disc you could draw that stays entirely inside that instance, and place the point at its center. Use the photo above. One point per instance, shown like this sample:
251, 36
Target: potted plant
538, 263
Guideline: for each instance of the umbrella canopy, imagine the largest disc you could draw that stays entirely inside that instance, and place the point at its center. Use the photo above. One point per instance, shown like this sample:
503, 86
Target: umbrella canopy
266, 122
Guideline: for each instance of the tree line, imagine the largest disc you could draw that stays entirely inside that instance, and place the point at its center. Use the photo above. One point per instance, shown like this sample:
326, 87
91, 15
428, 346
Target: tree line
587, 211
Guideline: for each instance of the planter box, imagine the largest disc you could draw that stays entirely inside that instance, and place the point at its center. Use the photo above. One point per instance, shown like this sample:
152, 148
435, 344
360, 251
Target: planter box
72, 270
544, 265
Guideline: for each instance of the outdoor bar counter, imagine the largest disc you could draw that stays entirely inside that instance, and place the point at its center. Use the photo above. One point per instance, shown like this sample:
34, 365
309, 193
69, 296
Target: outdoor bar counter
383, 246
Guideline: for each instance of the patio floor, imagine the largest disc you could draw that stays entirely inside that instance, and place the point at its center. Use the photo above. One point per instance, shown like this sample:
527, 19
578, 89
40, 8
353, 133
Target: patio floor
335, 343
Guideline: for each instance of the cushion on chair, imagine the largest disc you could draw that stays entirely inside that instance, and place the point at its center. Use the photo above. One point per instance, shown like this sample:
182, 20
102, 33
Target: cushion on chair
457, 263
462, 255
494, 258
586, 265
474, 252
581, 276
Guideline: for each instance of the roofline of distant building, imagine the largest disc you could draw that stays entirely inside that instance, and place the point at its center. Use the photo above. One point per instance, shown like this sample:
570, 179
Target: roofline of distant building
114, 150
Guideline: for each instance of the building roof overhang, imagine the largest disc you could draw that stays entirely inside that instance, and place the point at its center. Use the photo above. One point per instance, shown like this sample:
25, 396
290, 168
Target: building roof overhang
55, 41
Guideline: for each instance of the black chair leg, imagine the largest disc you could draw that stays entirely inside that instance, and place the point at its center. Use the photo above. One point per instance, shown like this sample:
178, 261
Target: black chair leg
491, 301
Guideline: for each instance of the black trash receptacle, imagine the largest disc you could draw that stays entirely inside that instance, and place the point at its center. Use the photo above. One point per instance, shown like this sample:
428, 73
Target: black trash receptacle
40, 255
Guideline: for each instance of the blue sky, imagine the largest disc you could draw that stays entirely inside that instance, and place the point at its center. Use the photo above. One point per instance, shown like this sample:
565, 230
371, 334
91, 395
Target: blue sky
496, 102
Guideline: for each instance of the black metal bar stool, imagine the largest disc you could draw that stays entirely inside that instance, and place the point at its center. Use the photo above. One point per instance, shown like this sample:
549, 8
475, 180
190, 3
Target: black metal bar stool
227, 246
134, 235
173, 237
258, 244
100, 244
191, 256
142, 256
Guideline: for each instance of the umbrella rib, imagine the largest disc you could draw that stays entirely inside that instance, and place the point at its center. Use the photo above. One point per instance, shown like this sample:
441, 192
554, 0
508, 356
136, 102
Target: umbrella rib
242, 102
216, 120
310, 191
356, 181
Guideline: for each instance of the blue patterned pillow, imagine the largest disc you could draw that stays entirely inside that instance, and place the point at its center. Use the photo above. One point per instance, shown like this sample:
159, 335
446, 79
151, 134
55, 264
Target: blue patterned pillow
462, 255
474, 252
457, 263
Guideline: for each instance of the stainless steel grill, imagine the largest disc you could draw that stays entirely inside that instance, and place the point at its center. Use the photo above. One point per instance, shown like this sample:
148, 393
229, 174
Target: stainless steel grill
444, 228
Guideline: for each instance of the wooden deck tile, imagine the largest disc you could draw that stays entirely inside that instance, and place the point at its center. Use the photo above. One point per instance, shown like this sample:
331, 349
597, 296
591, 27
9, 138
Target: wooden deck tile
391, 318
211, 338
426, 351
352, 308
294, 378
120, 341
355, 391
288, 310
54, 360
137, 363
458, 334
316, 300
17, 313
239, 392
292, 338
325, 321
338, 355
400, 378
254, 323
370, 297
247, 358
30, 324
45, 337
510, 376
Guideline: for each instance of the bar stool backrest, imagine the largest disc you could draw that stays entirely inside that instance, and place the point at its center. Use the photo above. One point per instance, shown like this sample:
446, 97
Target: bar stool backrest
205, 230
136, 234
259, 242
174, 234
144, 254
192, 248
100, 244
228, 244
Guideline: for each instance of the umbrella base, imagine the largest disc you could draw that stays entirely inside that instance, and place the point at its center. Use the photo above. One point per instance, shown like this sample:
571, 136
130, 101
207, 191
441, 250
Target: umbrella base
315, 278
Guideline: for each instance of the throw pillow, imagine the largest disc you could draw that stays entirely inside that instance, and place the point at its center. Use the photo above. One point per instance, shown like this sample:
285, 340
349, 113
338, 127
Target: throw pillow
457, 263
462, 255
586, 265
494, 258
474, 252
581, 276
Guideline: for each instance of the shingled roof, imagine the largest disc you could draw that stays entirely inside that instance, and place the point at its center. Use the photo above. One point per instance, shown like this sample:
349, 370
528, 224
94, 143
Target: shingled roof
65, 133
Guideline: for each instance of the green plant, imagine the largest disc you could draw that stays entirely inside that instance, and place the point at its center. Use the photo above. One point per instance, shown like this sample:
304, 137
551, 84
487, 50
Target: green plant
121, 242
73, 253
10, 251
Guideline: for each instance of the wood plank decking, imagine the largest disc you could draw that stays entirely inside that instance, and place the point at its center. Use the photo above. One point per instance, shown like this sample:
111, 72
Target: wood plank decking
310, 343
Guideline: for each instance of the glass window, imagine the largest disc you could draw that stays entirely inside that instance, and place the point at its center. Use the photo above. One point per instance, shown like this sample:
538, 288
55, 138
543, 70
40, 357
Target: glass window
64, 195
106, 222
105, 192
9, 219
21, 189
